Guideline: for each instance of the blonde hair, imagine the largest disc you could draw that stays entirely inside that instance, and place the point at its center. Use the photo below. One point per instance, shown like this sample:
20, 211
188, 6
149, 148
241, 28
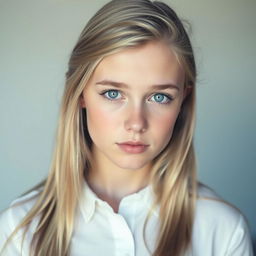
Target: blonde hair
118, 25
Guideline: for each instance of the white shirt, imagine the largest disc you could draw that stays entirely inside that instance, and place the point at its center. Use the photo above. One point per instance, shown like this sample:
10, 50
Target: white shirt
219, 229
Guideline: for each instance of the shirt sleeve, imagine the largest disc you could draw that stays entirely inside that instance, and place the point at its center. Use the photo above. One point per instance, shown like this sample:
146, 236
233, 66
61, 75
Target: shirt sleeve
9, 220
240, 243
6, 228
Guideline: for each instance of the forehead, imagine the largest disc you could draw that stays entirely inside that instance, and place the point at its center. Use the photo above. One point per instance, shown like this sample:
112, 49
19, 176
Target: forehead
151, 63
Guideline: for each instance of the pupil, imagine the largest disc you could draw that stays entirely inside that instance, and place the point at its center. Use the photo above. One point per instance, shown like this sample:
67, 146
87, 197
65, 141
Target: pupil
159, 97
113, 94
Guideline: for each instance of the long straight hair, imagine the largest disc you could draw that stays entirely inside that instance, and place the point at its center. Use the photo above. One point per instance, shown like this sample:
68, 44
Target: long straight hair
118, 25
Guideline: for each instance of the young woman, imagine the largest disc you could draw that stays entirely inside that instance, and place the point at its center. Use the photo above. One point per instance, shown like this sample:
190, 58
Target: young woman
123, 176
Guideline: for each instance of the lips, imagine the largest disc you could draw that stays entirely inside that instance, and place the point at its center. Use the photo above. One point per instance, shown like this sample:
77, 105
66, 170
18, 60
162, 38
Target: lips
133, 147
133, 143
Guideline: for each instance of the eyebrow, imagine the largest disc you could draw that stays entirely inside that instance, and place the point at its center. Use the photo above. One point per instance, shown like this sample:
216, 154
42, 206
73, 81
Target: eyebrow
123, 85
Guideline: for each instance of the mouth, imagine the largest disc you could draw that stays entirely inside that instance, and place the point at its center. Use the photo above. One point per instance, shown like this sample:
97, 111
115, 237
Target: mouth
133, 147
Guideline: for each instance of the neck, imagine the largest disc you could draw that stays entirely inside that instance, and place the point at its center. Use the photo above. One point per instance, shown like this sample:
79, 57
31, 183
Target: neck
111, 183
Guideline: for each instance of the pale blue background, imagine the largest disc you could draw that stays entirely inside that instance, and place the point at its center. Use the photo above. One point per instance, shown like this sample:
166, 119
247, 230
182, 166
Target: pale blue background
36, 38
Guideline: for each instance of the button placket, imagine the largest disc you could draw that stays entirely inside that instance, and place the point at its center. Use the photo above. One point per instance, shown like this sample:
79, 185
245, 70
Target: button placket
123, 238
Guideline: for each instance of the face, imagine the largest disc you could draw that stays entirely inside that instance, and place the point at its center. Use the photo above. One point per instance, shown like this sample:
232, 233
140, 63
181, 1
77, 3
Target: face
132, 101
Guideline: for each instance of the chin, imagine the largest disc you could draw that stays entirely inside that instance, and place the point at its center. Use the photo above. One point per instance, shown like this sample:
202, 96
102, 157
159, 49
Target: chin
135, 165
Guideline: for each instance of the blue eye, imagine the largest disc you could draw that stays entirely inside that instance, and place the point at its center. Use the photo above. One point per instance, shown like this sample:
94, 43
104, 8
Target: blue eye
157, 97
161, 98
111, 94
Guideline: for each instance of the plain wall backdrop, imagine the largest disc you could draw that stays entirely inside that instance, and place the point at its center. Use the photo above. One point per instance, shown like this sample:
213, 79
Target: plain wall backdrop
36, 38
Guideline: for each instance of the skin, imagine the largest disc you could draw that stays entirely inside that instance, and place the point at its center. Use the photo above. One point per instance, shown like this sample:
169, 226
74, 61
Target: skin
130, 109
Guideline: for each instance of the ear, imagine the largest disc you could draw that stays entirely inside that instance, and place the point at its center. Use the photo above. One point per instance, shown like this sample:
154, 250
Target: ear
82, 101
187, 90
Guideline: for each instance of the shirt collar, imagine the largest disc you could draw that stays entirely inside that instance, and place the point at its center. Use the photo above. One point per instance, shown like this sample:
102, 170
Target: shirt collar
89, 200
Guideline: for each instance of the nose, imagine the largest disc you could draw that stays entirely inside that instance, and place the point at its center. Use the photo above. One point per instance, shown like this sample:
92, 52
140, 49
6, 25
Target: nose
136, 120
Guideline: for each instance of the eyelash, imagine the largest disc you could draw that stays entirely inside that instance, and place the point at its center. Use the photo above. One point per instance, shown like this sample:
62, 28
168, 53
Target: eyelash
168, 97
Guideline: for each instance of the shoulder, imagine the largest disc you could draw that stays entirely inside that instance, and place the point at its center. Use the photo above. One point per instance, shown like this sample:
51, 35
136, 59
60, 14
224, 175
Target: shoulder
11, 217
210, 206
19, 208
221, 225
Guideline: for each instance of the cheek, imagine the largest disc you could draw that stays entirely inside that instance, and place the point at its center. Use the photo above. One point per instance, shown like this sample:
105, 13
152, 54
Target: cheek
163, 126
99, 120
